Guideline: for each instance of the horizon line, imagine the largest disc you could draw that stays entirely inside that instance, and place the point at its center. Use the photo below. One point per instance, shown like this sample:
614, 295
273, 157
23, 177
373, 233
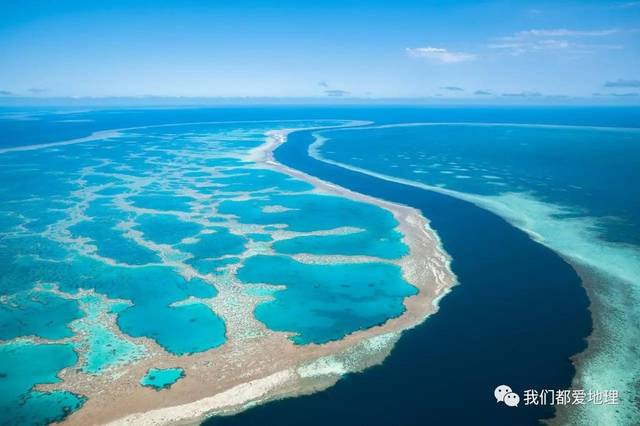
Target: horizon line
156, 100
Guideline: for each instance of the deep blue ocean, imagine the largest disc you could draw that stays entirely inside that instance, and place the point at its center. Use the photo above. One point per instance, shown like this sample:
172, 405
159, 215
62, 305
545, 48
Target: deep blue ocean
520, 311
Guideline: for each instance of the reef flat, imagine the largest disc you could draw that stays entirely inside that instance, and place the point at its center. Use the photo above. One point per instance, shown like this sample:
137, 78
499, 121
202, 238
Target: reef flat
188, 248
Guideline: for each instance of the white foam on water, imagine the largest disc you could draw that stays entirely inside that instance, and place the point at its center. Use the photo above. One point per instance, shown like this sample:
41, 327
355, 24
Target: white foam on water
327, 366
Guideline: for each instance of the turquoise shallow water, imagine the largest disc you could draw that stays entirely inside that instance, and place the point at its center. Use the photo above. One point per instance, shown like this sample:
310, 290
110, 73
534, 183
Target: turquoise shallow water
139, 236
37, 314
160, 379
325, 302
166, 229
180, 330
101, 346
219, 243
22, 366
374, 233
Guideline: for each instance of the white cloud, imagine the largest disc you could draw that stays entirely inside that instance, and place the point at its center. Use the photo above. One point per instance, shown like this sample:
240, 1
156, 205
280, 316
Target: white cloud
442, 56
621, 82
336, 93
518, 48
563, 32
523, 95
627, 5
552, 39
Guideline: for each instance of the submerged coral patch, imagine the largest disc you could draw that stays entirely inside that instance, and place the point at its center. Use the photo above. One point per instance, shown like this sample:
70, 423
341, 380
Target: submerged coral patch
325, 302
161, 378
166, 229
25, 365
37, 313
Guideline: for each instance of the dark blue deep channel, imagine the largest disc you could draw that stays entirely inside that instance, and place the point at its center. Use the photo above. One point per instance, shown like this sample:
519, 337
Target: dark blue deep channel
516, 318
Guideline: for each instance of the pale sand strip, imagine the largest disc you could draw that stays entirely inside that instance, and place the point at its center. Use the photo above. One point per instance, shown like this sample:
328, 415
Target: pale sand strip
248, 371
105, 134
102, 134
234, 397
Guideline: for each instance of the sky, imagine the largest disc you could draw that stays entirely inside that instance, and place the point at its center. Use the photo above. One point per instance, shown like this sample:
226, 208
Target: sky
325, 49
